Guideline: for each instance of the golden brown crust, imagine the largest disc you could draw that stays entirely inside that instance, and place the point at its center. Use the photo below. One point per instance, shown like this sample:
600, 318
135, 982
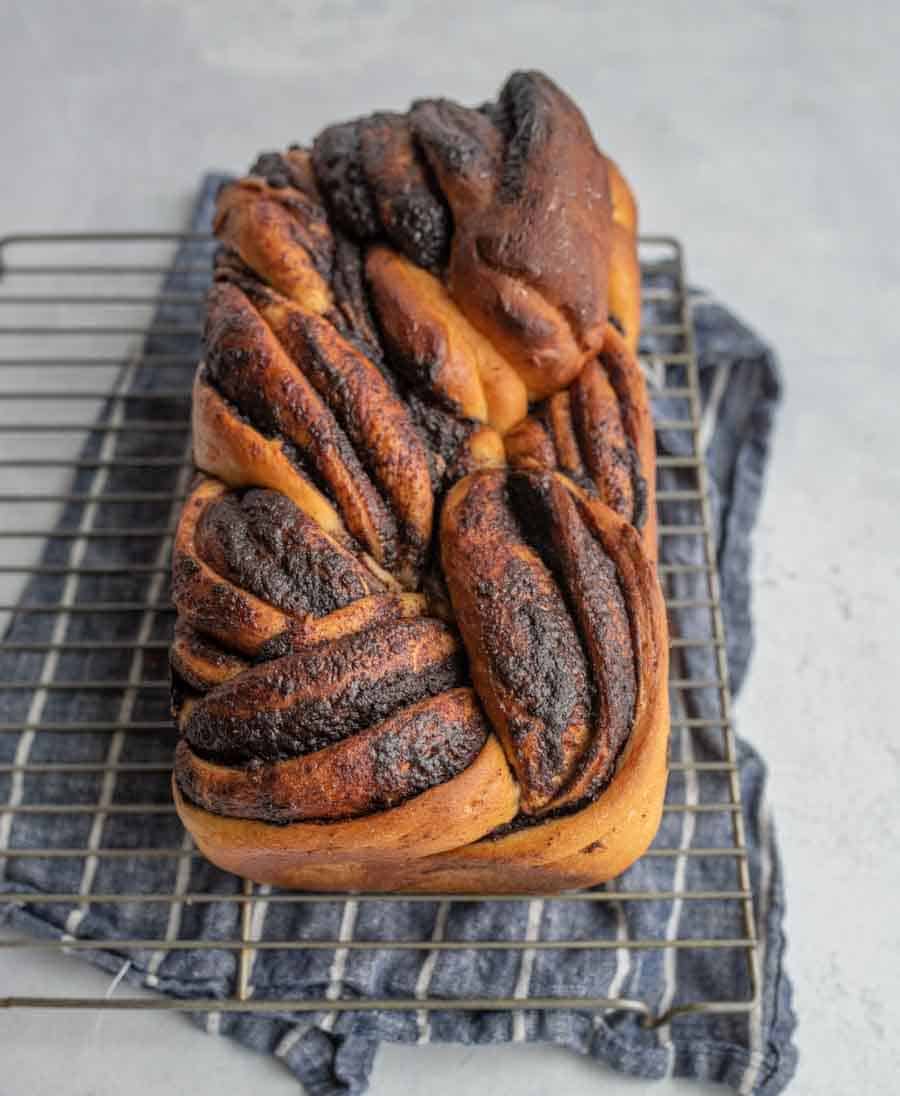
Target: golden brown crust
606, 838
385, 306
483, 797
199, 661
280, 233
624, 270
425, 329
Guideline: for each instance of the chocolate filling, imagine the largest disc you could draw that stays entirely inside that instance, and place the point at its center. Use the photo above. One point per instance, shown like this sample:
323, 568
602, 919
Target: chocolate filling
376, 183
272, 167
535, 592
337, 161
526, 264
310, 407
261, 541
528, 663
589, 581
355, 319
306, 701
419, 747
195, 657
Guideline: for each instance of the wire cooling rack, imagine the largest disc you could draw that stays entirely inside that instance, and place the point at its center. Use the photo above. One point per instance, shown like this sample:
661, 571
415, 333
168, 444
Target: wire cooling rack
81, 439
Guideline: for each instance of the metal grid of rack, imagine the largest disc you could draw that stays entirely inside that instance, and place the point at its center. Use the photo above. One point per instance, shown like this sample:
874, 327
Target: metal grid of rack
85, 438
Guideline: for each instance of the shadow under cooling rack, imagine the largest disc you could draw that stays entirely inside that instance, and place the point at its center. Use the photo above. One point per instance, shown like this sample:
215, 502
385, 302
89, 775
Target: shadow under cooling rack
99, 336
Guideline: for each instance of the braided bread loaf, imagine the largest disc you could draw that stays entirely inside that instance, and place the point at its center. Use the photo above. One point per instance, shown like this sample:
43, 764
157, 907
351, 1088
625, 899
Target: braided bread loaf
421, 643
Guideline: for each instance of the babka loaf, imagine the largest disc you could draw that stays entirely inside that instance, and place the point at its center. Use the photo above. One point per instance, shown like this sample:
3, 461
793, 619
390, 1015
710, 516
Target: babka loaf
421, 644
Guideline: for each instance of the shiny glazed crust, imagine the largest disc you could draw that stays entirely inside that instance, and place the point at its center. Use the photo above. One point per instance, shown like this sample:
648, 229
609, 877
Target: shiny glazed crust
421, 644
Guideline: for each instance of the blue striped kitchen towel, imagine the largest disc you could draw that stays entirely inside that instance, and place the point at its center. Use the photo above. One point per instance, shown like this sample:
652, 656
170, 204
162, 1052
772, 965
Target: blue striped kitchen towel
333, 1052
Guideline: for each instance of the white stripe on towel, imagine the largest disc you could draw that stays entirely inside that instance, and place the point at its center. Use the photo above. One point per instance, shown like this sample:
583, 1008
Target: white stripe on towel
290, 1039
523, 982
173, 925
257, 920
623, 955
423, 982
339, 963
711, 410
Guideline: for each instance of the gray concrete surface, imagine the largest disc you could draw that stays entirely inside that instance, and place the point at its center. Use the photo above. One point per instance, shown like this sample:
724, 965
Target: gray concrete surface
766, 137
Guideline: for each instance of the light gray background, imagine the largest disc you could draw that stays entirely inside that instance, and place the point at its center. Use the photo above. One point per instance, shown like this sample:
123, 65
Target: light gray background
766, 136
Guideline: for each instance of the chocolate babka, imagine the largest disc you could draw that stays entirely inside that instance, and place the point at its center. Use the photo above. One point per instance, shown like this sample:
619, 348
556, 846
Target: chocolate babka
421, 643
